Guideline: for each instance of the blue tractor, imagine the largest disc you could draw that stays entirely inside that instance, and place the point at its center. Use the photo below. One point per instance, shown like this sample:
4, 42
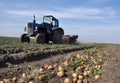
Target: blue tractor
48, 30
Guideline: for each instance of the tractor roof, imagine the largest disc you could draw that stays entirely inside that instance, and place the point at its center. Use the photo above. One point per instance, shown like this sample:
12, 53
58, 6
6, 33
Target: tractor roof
51, 16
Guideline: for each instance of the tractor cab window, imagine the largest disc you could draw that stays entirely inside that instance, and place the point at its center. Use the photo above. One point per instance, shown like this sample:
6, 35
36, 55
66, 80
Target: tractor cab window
47, 20
54, 23
51, 20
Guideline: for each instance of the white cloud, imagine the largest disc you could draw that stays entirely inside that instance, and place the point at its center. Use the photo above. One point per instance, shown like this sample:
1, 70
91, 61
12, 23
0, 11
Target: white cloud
93, 13
75, 12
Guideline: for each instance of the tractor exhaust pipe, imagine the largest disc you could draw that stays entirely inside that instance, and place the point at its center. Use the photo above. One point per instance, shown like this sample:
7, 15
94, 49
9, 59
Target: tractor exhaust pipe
34, 21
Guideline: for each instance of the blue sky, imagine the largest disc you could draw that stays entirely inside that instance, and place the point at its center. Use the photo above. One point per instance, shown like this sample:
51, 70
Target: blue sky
92, 20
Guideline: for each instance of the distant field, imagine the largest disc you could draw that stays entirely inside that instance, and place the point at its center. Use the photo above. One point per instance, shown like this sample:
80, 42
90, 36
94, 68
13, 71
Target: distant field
56, 63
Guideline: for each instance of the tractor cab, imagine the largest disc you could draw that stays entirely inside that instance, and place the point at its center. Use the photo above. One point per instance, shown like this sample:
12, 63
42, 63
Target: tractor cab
51, 20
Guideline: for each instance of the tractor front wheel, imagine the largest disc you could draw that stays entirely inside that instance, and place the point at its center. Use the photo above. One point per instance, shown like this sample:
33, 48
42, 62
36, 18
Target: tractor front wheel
24, 38
40, 38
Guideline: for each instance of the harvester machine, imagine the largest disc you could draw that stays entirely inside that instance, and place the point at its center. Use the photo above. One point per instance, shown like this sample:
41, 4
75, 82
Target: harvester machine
48, 30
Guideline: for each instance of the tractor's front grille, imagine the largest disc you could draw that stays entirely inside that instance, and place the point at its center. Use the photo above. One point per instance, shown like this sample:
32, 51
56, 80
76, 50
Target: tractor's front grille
30, 29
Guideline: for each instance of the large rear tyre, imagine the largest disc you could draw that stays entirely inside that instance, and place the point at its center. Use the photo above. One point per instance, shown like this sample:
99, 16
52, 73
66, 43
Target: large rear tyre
57, 37
47, 38
24, 38
40, 38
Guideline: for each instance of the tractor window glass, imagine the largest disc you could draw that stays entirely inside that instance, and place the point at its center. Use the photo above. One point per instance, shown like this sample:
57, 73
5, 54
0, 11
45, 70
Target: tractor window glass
55, 23
47, 20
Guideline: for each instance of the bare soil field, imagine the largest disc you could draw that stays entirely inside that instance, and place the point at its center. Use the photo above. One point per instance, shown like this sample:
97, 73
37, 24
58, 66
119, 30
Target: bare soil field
62, 63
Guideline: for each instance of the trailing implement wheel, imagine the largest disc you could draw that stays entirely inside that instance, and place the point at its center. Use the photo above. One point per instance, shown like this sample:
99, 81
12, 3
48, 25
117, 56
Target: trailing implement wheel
24, 38
40, 38
57, 37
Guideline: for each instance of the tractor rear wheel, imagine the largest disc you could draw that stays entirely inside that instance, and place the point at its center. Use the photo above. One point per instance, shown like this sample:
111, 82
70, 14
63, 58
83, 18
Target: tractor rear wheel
24, 38
57, 37
40, 38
